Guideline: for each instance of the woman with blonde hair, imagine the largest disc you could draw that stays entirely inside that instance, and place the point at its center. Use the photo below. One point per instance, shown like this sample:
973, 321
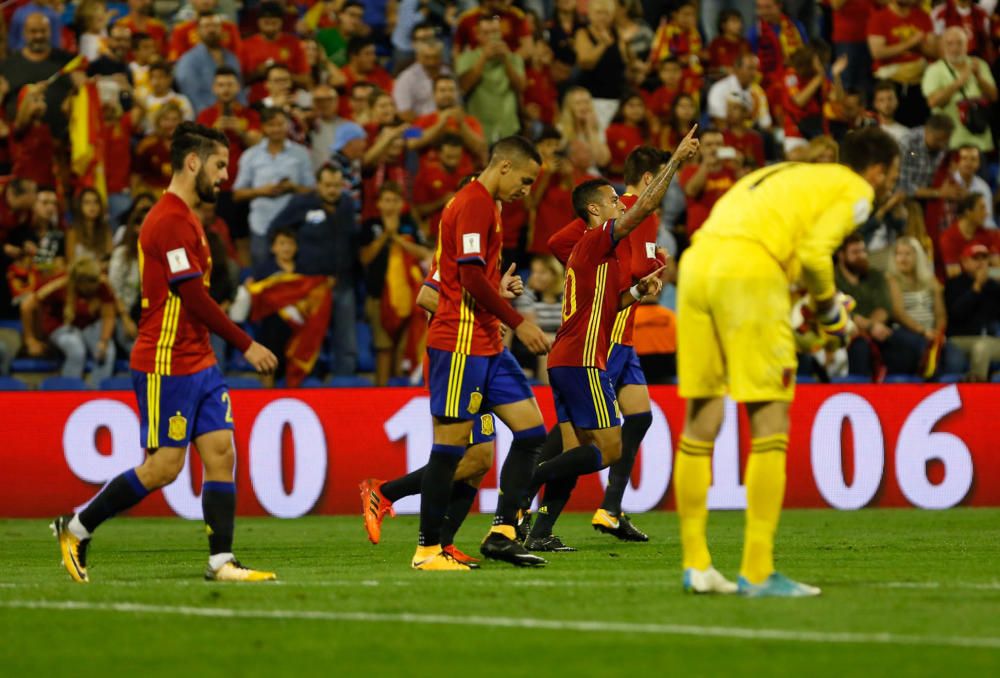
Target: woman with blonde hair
822, 149
76, 312
578, 120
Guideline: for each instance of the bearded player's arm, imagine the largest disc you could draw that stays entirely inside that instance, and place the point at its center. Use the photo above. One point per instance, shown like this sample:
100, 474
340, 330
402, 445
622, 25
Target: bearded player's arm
652, 195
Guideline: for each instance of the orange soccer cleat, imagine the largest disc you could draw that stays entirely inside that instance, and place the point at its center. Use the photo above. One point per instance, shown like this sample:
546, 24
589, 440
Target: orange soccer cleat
463, 558
374, 506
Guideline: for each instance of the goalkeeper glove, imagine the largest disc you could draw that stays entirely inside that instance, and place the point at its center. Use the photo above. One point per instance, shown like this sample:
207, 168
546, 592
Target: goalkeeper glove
835, 325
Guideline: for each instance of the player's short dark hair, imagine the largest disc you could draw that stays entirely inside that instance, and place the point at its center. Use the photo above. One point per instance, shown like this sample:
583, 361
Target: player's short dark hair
968, 203
223, 71
586, 193
190, 137
939, 122
868, 146
269, 113
643, 159
356, 44
328, 167
515, 148
450, 139
285, 231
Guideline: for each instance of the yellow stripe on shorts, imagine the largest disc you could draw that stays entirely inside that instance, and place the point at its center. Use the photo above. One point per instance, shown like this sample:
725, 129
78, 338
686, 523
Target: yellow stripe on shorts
455, 376
153, 410
594, 379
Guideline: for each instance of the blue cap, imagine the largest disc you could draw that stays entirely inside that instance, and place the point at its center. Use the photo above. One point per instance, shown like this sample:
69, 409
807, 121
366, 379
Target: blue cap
346, 133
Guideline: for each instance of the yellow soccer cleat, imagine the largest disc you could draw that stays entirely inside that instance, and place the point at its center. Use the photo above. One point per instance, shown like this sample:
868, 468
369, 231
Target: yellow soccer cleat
433, 559
73, 549
617, 526
233, 570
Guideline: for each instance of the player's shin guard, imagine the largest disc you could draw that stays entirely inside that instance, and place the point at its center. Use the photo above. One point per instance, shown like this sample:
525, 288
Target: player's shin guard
462, 496
692, 476
551, 449
633, 431
557, 493
404, 486
516, 476
121, 494
765, 482
435, 490
572, 463
218, 506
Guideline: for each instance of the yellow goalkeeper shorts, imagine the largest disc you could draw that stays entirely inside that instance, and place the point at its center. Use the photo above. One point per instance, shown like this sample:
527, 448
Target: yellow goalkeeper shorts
734, 333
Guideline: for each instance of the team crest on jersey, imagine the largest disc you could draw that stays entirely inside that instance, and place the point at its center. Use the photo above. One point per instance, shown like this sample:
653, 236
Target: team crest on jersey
178, 427
475, 401
486, 424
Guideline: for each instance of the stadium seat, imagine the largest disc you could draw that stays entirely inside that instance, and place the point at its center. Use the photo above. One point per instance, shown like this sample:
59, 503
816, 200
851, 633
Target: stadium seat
121, 383
243, 382
308, 382
851, 379
399, 381
950, 378
349, 382
996, 378
34, 365
12, 384
10, 324
903, 379
63, 384
366, 355
805, 379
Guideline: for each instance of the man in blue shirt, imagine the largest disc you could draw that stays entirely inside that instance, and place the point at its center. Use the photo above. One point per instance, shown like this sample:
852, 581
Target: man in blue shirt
269, 174
195, 70
327, 233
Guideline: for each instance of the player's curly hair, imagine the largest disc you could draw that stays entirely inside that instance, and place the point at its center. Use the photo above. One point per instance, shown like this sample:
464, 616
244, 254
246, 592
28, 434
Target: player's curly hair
866, 147
190, 137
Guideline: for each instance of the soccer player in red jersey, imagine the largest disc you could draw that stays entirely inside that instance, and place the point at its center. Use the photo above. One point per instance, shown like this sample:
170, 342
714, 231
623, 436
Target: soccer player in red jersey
181, 393
469, 368
594, 295
637, 258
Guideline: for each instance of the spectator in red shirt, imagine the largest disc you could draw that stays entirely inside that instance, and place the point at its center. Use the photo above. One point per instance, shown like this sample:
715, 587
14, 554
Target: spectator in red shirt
117, 132
806, 92
185, 34
679, 37
968, 229
850, 39
628, 130
76, 312
540, 96
450, 118
151, 167
389, 167
362, 66
730, 44
747, 141
683, 114
550, 202
271, 46
672, 83
32, 148
140, 19
514, 27
437, 182
901, 41
970, 17
707, 181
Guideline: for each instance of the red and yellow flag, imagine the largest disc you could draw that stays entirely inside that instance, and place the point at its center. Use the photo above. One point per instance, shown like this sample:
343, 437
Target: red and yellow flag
87, 141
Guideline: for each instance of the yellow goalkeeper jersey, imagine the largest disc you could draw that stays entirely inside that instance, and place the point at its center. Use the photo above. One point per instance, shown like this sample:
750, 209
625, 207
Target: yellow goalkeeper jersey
800, 213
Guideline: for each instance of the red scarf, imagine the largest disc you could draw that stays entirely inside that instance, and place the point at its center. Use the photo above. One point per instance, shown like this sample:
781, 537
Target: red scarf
774, 47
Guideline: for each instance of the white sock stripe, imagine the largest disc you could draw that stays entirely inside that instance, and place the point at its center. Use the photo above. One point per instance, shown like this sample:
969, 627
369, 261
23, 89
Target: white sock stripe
734, 632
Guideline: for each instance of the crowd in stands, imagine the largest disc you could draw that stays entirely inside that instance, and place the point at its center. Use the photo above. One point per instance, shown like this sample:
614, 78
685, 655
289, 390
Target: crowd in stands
351, 124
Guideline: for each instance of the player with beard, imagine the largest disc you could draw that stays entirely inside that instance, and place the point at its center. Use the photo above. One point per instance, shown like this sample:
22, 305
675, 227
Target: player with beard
180, 390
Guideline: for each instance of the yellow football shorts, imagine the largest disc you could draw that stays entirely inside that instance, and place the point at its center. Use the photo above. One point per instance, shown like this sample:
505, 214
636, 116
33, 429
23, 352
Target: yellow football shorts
734, 333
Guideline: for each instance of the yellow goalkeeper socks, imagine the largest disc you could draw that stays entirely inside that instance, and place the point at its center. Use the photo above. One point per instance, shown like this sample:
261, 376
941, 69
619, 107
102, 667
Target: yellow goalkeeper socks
765, 483
692, 476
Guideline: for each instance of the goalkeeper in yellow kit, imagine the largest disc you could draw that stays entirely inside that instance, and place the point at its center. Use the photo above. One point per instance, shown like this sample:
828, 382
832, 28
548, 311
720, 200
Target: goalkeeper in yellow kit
777, 226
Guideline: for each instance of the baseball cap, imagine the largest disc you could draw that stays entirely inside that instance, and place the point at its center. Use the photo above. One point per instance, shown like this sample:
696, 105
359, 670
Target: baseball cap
975, 249
346, 133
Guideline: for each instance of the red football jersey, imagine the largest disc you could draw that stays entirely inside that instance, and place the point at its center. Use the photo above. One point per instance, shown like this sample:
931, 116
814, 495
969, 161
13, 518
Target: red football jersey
590, 301
851, 21
154, 28
172, 248
716, 185
248, 120
53, 296
31, 153
636, 259
431, 184
185, 36
470, 231
723, 52
257, 50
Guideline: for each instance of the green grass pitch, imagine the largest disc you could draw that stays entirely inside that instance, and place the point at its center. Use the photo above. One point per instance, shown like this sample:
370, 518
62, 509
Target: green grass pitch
904, 593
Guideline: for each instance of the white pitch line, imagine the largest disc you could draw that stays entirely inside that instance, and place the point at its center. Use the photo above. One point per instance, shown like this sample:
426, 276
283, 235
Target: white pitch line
733, 632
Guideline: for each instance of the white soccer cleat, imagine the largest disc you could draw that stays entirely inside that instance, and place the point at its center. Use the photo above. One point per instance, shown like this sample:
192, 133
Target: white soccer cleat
709, 580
